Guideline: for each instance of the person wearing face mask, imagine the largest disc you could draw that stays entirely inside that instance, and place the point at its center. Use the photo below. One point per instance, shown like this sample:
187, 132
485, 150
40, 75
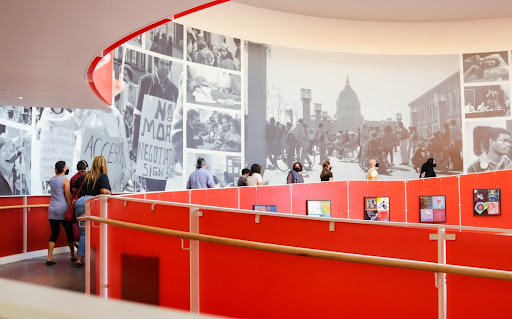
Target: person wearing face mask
326, 175
59, 201
373, 175
295, 176
427, 169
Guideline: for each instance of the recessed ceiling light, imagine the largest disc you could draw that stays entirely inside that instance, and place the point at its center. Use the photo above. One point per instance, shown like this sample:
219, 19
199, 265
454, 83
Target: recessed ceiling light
20, 97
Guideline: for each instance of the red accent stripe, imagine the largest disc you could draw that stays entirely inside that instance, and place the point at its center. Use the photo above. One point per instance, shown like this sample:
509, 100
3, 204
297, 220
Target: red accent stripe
92, 65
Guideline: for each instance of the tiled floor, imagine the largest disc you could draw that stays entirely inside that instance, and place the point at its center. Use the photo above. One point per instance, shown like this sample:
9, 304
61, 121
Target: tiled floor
62, 275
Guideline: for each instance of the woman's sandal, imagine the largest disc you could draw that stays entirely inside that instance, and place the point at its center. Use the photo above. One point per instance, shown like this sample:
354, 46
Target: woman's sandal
73, 258
50, 262
79, 264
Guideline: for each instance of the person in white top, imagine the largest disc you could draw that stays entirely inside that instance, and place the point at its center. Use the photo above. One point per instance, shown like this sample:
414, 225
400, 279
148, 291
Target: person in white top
254, 178
373, 175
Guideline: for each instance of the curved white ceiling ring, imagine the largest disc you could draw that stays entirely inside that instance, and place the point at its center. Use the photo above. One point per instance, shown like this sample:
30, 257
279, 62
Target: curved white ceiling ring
350, 36
391, 10
50, 48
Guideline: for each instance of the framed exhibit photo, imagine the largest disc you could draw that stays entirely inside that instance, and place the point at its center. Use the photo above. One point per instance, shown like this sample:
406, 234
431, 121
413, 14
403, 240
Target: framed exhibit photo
376, 208
318, 208
432, 209
265, 208
486, 202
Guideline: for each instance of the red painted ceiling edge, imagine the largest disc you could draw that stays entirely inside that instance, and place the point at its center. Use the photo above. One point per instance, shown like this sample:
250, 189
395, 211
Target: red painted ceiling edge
96, 60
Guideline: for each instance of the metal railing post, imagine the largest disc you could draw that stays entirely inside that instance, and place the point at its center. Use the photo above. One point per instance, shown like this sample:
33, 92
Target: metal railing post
87, 249
103, 249
194, 215
441, 276
25, 222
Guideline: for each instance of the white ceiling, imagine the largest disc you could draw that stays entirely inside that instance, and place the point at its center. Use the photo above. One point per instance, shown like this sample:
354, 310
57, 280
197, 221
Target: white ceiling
48, 45
392, 10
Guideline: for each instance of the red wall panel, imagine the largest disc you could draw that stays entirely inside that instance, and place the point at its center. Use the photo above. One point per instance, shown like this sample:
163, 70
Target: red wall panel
38, 227
174, 262
312, 288
198, 197
248, 197
447, 186
11, 227
501, 180
471, 297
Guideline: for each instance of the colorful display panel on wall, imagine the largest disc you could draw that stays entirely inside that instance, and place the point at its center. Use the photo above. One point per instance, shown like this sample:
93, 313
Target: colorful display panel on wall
486, 202
376, 208
432, 209
265, 208
318, 208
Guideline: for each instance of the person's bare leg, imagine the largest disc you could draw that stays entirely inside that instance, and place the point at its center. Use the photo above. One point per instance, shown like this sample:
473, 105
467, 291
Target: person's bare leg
51, 245
72, 249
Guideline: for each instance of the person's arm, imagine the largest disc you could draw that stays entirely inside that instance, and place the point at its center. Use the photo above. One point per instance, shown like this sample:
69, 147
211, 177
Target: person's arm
210, 182
260, 180
104, 184
189, 184
67, 193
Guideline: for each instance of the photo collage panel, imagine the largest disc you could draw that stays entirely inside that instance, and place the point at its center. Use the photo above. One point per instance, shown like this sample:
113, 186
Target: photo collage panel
376, 208
486, 202
432, 209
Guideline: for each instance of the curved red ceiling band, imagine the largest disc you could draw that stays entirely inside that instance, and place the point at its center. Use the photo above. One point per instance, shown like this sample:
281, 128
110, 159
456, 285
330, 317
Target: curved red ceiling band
100, 81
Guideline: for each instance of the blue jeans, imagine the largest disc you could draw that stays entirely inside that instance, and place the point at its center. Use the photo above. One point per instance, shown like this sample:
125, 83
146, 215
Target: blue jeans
79, 211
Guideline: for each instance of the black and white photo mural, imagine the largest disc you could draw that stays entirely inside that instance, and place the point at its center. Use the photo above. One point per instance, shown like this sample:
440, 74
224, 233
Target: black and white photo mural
193, 93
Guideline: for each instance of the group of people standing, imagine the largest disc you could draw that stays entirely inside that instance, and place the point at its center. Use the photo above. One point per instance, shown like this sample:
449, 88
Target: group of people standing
64, 192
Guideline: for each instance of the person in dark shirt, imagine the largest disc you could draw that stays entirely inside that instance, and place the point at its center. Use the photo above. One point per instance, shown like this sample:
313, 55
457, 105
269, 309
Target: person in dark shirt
154, 84
81, 167
271, 138
242, 181
326, 175
427, 169
92, 183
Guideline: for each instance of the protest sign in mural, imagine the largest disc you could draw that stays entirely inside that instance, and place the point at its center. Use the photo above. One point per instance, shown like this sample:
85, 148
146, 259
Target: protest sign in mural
57, 144
155, 155
96, 144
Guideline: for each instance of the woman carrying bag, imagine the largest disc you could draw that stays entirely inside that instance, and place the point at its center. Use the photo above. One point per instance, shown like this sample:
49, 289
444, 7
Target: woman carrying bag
59, 201
92, 183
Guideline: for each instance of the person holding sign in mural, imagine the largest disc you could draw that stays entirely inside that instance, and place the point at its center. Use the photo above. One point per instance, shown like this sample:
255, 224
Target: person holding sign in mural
92, 183
152, 148
59, 201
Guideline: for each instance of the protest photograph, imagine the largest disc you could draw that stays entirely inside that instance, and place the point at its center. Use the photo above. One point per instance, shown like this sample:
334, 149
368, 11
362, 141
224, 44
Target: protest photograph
213, 130
136, 42
399, 110
212, 87
16, 114
224, 168
487, 101
485, 67
487, 145
157, 125
15, 161
213, 49
166, 39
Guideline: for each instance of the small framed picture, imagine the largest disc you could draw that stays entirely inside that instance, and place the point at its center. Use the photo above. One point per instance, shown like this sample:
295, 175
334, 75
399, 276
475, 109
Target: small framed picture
376, 208
432, 209
318, 208
486, 202
265, 208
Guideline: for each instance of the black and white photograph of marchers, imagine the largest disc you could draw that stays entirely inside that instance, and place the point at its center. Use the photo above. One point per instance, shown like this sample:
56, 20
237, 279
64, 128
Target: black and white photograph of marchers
213, 49
485, 67
487, 145
166, 39
213, 130
213, 87
487, 101
349, 108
